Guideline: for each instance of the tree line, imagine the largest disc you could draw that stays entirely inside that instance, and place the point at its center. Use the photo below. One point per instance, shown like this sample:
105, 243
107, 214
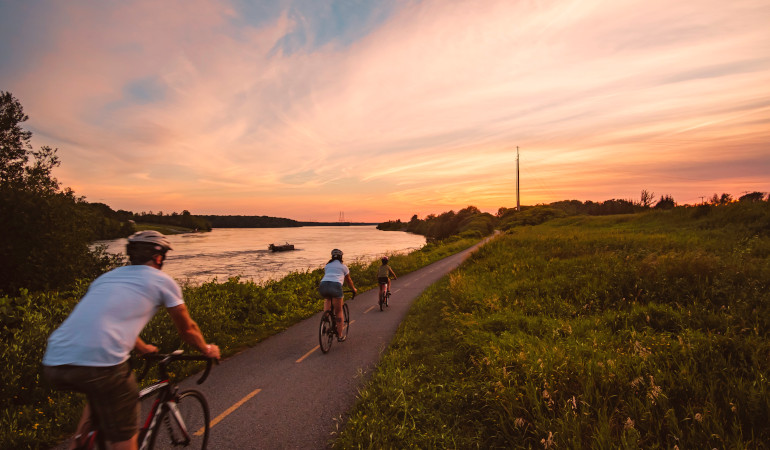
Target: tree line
471, 221
46, 231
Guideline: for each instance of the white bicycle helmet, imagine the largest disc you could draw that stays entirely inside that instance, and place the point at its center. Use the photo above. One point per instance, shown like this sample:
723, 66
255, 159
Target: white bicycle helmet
336, 253
151, 237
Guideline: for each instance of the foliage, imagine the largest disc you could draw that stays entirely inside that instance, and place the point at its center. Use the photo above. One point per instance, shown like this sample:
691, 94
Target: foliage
530, 216
752, 197
45, 232
392, 225
468, 222
665, 202
185, 220
635, 331
250, 222
232, 313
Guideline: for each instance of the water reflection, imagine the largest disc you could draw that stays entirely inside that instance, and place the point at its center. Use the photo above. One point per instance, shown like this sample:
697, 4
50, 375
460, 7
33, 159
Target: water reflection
228, 252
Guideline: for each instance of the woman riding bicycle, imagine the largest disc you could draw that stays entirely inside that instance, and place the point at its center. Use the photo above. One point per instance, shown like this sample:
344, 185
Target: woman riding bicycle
335, 274
383, 276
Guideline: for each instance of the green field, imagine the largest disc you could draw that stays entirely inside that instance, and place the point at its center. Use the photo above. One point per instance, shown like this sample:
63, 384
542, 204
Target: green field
634, 331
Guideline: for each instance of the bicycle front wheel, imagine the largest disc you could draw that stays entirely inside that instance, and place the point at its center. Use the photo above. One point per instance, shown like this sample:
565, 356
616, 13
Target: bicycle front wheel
346, 323
326, 331
184, 423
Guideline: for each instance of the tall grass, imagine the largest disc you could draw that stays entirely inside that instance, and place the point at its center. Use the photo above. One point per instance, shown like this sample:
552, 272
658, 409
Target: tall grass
233, 314
639, 331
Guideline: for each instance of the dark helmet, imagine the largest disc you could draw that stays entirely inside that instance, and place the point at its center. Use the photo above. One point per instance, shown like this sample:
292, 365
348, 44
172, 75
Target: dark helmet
158, 240
336, 254
384, 259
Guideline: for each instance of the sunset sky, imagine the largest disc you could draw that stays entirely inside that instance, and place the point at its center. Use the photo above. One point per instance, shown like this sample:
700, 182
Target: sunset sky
382, 109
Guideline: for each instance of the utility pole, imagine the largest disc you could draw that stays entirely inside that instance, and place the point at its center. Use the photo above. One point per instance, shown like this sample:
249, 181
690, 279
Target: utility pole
518, 203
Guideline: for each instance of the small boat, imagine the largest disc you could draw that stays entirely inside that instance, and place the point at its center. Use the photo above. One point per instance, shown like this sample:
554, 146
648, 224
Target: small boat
281, 248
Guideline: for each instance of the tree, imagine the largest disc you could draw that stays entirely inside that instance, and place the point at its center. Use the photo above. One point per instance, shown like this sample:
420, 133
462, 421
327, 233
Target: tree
665, 202
44, 232
647, 198
752, 197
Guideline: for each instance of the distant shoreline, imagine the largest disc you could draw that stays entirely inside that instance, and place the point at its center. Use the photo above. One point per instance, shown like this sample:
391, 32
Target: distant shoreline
269, 222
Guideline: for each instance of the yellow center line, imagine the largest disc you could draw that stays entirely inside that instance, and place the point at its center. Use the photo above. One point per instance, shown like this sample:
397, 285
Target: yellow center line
230, 410
302, 358
370, 308
307, 354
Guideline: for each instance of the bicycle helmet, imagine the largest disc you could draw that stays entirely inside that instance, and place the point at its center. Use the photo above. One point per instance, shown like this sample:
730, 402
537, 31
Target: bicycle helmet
151, 237
384, 259
336, 253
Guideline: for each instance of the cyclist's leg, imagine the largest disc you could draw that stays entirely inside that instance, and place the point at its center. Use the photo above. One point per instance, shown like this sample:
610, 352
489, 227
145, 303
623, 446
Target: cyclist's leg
113, 397
339, 315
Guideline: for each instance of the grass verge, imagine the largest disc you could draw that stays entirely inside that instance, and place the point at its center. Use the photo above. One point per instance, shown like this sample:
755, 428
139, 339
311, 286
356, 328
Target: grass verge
639, 331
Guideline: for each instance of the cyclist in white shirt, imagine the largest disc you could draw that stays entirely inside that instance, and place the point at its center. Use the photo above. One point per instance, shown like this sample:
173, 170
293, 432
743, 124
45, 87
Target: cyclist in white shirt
335, 274
89, 352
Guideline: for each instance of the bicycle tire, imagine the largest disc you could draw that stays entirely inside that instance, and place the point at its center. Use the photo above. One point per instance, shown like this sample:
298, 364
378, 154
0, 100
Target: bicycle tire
326, 332
346, 323
382, 297
194, 412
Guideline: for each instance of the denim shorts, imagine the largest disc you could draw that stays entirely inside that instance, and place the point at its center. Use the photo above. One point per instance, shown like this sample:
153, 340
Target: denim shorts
330, 289
112, 393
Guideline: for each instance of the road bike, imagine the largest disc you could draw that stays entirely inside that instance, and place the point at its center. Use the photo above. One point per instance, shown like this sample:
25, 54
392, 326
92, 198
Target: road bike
327, 331
176, 419
384, 295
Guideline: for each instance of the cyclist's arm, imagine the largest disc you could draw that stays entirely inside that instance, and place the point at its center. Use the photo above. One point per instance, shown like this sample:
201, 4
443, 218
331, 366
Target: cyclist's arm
350, 283
394, 273
143, 348
190, 332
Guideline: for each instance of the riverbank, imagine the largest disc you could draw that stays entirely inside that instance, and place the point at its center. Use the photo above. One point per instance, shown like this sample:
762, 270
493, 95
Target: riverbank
234, 313
635, 331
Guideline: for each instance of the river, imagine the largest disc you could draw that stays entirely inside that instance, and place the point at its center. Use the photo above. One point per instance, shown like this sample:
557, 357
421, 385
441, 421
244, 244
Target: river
227, 252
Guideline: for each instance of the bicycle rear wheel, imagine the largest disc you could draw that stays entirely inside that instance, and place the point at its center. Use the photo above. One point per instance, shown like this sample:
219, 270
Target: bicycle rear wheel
326, 331
346, 323
184, 423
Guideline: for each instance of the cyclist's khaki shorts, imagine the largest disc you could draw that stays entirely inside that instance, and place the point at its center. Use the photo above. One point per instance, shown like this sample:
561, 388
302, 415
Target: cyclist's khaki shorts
112, 393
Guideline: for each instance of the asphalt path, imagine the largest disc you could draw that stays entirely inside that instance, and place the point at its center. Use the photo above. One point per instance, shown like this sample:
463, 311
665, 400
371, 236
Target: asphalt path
284, 393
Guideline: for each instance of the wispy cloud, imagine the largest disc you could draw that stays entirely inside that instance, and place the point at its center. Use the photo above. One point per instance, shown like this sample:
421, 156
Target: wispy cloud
299, 107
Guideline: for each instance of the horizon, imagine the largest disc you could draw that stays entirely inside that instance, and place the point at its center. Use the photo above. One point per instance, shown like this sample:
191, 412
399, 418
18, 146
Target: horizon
382, 110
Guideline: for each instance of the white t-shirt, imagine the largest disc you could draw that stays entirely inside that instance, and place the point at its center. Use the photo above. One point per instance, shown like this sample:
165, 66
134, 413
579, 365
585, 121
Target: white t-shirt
103, 327
335, 271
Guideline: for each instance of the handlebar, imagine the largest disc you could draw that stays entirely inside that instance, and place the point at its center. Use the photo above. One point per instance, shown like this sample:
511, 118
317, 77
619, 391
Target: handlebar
349, 291
164, 359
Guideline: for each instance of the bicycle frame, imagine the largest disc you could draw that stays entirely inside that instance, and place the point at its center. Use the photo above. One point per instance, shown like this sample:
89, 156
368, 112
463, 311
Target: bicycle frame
151, 422
328, 326
166, 401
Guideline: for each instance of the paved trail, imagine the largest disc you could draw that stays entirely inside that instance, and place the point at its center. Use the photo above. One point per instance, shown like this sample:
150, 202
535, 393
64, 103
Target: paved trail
284, 393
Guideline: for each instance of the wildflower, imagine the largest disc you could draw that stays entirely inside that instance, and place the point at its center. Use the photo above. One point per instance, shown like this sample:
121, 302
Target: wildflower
519, 422
698, 417
548, 443
629, 425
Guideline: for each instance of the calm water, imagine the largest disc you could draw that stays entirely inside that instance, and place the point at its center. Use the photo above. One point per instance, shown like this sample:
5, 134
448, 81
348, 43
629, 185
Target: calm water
228, 252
